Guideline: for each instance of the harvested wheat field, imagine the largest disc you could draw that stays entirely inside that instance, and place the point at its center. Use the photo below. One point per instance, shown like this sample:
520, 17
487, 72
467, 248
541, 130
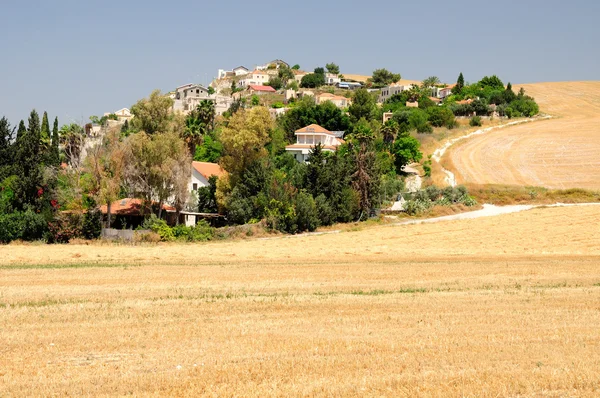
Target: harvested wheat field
561, 152
498, 306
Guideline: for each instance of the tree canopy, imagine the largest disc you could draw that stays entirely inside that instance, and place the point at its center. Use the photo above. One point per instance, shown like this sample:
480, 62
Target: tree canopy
383, 77
152, 114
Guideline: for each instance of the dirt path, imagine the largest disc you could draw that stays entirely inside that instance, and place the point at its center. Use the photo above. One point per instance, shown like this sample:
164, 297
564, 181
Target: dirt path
414, 181
560, 153
489, 211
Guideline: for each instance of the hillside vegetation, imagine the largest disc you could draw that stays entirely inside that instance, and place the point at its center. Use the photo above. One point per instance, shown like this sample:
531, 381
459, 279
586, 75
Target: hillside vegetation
562, 152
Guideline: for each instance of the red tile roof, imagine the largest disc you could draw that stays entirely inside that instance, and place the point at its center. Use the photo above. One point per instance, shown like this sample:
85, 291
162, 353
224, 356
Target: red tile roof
267, 89
208, 169
129, 206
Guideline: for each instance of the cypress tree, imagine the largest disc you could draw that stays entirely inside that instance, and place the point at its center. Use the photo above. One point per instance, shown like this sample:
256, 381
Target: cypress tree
6, 156
21, 131
55, 158
45, 131
460, 83
28, 163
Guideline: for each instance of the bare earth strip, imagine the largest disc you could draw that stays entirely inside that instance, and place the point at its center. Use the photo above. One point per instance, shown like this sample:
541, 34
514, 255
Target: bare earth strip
498, 306
562, 152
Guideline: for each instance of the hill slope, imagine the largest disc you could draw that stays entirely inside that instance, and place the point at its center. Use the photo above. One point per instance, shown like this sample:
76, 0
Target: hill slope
563, 152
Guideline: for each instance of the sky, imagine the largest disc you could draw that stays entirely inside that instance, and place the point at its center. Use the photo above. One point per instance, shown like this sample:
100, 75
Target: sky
76, 58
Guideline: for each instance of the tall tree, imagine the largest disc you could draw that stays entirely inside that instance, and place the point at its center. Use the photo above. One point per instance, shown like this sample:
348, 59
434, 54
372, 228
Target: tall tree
106, 165
363, 106
28, 162
333, 68
199, 124
55, 152
365, 179
389, 131
6, 147
152, 160
285, 74
45, 131
152, 114
431, 81
383, 77
244, 140
460, 83
72, 139
406, 150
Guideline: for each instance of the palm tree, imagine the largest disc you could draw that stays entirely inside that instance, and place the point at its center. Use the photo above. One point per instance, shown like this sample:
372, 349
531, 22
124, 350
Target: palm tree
390, 130
199, 123
430, 82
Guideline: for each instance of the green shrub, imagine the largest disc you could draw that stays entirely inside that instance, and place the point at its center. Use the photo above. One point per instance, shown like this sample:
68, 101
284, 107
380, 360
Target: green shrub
200, 232
475, 121
92, 224
416, 207
324, 210
307, 218
25, 225
160, 227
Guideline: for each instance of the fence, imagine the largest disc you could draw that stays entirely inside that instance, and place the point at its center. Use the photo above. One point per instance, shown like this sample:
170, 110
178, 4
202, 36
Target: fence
123, 234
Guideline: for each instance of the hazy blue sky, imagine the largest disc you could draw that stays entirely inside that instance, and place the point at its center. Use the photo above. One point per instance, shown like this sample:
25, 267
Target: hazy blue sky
78, 58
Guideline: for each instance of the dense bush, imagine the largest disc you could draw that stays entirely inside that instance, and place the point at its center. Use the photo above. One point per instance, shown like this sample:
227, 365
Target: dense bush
200, 232
25, 225
475, 121
160, 227
425, 199
65, 227
440, 116
92, 224
307, 217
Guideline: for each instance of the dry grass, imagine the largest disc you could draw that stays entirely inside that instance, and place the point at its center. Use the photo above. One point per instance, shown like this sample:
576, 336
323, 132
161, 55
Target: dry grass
514, 194
501, 306
559, 153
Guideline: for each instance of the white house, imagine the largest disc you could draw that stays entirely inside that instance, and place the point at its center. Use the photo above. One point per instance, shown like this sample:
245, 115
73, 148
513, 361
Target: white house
188, 96
239, 71
390, 90
309, 136
122, 114
332, 79
201, 172
338, 100
445, 92
255, 78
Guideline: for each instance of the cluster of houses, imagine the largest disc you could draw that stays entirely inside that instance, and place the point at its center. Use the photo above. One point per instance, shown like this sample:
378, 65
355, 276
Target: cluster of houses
247, 82
438, 94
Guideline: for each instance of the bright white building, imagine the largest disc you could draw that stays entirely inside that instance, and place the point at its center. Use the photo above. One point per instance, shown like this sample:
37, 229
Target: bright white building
256, 78
390, 90
309, 136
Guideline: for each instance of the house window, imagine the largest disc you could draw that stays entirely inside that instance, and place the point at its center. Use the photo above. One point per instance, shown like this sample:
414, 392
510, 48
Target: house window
194, 186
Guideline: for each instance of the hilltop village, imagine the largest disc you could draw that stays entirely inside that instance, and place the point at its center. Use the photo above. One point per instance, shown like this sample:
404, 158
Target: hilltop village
273, 145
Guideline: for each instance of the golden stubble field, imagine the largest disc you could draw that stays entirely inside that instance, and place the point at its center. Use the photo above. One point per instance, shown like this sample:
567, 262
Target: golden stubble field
499, 306
562, 152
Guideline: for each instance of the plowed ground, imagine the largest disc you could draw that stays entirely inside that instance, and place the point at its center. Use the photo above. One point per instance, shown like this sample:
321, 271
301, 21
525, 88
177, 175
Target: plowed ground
562, 152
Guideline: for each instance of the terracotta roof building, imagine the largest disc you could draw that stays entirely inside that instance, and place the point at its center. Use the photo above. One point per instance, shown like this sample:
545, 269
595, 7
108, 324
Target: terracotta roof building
260, 89
309, 136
